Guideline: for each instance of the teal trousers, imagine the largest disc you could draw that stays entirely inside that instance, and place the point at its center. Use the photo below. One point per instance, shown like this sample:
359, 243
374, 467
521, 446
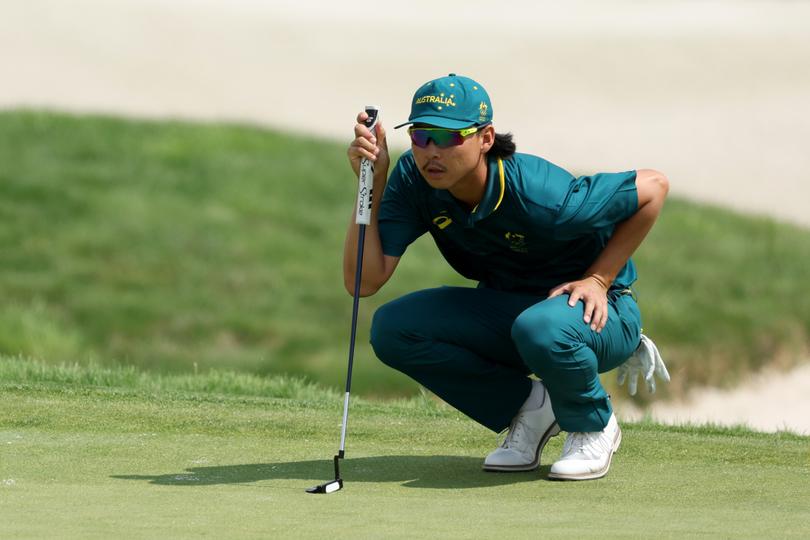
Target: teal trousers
476, 347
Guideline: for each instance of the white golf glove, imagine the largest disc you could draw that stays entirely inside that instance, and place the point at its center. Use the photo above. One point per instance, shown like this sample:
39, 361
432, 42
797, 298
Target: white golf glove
645, 361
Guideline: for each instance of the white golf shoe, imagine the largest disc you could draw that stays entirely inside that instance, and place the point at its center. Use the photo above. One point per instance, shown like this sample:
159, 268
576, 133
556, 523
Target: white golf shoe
528, 434
586, 456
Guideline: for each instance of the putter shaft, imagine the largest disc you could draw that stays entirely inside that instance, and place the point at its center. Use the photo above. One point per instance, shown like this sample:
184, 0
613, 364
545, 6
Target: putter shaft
362, 218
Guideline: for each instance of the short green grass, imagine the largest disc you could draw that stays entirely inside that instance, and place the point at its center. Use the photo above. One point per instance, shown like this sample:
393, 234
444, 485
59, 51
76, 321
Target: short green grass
179, 247
100, 452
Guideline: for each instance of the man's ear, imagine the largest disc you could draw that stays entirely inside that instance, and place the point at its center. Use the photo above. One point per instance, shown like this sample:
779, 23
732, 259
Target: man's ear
487, 138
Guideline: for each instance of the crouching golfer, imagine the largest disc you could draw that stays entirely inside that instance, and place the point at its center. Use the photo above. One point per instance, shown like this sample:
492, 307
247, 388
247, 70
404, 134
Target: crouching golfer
551, 255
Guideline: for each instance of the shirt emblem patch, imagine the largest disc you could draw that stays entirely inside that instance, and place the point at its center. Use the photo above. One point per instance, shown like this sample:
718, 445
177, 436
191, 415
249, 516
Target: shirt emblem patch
442, 221
517, 242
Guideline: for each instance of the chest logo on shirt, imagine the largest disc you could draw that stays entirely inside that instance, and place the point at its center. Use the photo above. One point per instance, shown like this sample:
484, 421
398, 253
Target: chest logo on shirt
517, 242
442, 221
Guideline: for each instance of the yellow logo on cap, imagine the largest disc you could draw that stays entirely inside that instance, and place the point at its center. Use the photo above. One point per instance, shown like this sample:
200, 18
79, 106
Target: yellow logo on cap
482, 111
441, 100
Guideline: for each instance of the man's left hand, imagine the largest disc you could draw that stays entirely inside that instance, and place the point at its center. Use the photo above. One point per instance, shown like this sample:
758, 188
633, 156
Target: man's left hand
645, 361
593, 293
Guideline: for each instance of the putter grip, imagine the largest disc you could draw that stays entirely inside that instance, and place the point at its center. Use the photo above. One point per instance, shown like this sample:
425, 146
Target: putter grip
366, 177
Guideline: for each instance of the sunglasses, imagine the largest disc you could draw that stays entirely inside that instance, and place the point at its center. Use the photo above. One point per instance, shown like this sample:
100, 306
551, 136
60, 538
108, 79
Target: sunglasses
441, 137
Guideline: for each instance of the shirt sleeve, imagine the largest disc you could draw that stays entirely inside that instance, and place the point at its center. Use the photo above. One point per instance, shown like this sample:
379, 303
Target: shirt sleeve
400, 222
596, 202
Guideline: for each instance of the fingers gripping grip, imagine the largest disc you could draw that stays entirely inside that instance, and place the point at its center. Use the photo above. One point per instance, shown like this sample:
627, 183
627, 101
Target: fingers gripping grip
366, 177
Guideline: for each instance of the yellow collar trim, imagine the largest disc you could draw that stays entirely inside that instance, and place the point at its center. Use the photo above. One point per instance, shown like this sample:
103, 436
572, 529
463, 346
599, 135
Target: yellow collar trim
503, 184
503, 187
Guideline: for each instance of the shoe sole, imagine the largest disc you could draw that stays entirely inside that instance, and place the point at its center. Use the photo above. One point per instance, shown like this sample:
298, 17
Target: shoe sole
593, 475
552, 431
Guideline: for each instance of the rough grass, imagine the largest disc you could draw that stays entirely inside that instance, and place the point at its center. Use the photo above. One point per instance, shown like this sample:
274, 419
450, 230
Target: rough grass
179, 247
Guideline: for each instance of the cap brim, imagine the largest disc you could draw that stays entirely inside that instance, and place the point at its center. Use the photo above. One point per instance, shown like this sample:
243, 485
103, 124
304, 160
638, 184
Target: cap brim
438, 121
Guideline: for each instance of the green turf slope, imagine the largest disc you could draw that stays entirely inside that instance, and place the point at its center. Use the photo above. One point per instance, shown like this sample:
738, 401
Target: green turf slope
92, 453
170, 245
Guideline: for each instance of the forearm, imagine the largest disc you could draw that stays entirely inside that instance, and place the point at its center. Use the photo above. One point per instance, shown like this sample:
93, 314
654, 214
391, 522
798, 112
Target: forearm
624, 242
374, 270
628, 235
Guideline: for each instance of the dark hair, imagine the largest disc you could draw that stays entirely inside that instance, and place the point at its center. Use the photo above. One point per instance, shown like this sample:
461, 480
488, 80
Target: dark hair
503, 147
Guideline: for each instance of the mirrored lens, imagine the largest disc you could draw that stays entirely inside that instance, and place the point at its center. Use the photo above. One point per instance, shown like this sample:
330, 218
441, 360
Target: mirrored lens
443, 138
419, 137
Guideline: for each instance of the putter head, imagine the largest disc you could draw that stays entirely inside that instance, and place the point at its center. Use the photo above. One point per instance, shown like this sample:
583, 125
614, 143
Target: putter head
328, 487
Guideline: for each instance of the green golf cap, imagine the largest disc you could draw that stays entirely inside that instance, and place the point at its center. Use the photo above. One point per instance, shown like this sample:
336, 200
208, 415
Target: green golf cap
452, 102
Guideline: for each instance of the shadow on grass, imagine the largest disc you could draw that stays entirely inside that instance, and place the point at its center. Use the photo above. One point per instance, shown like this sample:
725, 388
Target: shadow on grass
437, 472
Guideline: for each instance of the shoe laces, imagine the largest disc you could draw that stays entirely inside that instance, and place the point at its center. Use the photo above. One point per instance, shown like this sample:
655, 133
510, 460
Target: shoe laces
592, 444
513, 434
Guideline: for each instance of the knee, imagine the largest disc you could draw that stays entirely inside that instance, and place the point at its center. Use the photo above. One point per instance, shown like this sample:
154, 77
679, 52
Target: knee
544, 342
387, 335
534, 334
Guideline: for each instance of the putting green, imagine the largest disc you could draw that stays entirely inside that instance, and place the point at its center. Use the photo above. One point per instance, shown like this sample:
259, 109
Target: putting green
98, 461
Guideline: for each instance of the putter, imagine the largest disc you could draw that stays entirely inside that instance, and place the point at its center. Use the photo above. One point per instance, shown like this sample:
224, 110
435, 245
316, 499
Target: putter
362, 218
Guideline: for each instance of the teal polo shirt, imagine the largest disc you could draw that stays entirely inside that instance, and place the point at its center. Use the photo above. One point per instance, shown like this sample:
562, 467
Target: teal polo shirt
537, 226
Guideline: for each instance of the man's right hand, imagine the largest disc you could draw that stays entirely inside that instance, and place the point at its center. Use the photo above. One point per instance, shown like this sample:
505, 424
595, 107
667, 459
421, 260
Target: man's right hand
370, 146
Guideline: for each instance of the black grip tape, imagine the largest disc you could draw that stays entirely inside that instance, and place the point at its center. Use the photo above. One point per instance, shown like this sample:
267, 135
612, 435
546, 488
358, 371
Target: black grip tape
372, 116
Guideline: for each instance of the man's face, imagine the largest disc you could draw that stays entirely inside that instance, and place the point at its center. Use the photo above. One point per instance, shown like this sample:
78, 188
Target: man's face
442, 168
